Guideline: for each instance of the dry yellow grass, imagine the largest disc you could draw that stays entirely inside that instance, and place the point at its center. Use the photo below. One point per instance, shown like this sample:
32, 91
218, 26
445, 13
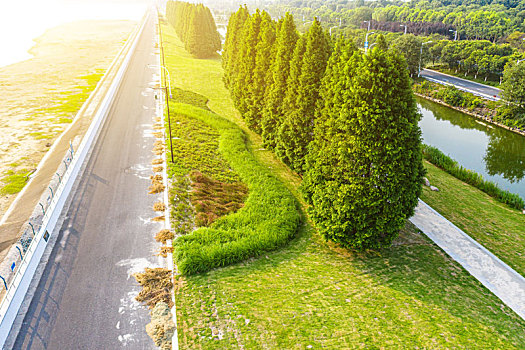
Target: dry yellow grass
158, 169
159, 206
156, 187
158, 218
163, 236
156, 286
164, 250
156, 178
157, 161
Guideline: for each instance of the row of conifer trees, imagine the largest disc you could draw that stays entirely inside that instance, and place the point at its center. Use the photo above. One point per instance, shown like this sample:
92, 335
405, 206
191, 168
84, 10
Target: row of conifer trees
347, 122
195, 26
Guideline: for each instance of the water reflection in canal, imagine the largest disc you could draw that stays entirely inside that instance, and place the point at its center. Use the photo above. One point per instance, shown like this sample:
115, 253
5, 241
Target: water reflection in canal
497, 154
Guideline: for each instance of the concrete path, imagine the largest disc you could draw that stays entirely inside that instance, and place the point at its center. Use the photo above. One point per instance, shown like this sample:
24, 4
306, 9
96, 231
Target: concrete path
493, 273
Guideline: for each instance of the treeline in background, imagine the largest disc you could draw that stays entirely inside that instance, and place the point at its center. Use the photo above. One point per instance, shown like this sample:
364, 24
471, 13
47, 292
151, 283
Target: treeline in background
491, 20
347, 122
195, 26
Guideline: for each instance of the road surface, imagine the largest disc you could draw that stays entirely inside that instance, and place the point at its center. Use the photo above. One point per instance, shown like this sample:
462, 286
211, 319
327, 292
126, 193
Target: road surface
487, 268
86, 296
462, 84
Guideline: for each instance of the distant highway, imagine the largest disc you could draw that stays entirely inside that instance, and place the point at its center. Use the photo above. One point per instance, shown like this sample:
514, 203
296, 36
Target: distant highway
86, 296
485, 91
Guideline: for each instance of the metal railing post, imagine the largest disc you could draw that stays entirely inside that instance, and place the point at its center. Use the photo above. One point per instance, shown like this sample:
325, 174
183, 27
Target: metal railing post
20, 252
43, 210
32, 227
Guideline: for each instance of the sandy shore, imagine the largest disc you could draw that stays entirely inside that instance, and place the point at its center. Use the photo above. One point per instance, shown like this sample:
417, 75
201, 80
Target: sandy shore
40, 96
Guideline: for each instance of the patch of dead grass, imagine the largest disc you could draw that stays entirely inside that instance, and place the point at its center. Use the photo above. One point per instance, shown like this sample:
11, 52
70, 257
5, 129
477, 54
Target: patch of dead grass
159, 206
163, 236
213, 199
156, 286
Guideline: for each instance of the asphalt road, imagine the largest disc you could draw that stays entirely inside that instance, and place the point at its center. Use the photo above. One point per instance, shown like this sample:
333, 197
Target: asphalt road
462, 84
86, 296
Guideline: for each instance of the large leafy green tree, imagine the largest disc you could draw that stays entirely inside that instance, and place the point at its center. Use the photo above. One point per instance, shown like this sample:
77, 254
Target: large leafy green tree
410, 46
296, 132
364, 168
280, 71
513, 87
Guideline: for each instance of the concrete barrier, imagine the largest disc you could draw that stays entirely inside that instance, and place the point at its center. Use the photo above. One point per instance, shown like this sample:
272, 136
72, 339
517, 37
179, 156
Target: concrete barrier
27, 266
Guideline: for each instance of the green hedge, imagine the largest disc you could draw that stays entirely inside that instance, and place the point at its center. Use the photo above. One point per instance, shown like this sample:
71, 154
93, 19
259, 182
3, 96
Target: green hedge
439, 159
269, 219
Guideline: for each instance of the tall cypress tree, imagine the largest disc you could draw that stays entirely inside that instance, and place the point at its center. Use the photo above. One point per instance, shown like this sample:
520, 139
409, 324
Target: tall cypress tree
296, 132
280, 71
265, 51
364, 169
283, 133
246, 61
230, 54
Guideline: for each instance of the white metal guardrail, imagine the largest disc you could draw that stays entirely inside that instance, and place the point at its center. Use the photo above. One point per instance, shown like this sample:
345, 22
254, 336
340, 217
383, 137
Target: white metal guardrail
20, 283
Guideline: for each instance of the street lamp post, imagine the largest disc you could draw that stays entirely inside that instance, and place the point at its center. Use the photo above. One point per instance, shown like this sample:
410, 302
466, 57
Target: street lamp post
330, 30
421, 54
455, 34
368, 25
403, 25
366, 41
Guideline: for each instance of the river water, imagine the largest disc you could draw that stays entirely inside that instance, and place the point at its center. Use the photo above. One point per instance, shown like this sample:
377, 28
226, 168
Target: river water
497, 154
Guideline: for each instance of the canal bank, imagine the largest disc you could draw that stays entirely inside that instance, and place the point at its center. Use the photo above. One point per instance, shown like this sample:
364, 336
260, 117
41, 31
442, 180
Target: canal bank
496, 153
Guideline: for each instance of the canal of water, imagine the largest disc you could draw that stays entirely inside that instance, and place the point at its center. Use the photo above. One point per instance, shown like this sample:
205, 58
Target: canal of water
497, 154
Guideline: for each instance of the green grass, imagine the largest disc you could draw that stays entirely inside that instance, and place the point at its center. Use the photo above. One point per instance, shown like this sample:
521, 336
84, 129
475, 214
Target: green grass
268, 220
65, 106
312, 293
494, 225
439, 159
13, 182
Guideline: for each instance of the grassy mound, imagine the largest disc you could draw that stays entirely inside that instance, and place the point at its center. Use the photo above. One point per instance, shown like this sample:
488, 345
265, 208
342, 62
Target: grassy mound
268, 220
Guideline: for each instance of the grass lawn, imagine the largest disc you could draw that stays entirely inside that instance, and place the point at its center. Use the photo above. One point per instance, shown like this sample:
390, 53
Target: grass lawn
496, 226
311, 294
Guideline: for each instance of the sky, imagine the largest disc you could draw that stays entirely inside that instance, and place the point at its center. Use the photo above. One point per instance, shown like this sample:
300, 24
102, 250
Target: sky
22, 21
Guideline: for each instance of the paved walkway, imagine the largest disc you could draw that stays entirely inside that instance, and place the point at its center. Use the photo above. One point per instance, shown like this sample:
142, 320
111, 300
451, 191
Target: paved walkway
493, 273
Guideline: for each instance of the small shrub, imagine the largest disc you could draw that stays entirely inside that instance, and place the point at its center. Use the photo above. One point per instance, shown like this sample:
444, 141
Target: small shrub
163, 236
158, 169
157, 161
